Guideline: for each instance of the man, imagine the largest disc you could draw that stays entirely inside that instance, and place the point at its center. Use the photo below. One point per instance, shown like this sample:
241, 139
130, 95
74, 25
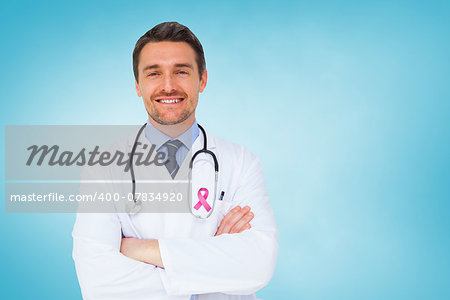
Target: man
173, 256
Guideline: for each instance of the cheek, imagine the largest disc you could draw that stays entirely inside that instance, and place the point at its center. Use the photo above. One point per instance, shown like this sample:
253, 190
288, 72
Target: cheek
147, 91
192, 88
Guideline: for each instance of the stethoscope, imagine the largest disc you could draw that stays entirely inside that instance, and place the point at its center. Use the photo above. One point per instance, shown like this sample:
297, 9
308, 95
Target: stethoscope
136, 206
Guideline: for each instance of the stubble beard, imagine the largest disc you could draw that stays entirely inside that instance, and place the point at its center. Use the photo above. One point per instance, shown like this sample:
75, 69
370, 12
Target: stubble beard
156, 116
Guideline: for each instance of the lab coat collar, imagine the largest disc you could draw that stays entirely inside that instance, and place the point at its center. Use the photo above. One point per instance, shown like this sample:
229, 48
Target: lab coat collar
182, 173
158, 138
197, 145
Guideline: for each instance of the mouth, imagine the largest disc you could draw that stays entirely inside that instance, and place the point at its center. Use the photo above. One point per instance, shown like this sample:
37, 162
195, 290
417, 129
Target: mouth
169, 100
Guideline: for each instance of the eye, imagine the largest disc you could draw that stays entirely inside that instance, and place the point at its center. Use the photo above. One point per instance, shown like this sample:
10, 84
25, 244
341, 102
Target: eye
183, 72
152, 74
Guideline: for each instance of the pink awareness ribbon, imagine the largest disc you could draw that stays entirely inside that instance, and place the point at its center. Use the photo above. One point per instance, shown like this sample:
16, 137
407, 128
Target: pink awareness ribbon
202, 199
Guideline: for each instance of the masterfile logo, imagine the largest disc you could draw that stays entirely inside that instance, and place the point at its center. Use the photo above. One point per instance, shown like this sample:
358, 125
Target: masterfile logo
67, 168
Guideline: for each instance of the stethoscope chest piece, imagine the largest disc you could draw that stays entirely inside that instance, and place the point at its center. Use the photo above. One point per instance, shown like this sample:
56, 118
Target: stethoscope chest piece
134, 207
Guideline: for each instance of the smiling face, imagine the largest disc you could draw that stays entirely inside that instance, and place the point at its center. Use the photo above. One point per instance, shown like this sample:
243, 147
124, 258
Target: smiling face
169, 82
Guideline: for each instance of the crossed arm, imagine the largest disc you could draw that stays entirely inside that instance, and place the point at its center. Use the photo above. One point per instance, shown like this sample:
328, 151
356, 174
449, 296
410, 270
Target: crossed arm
147, 250
239, 263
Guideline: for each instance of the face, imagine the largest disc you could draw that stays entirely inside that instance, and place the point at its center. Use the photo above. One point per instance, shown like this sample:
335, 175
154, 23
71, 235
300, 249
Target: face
169, 82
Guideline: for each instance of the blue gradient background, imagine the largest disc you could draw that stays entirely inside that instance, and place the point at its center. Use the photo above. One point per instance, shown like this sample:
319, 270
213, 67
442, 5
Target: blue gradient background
346, 103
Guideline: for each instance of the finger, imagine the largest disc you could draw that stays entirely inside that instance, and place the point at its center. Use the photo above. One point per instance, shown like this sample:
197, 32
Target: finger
223, 224
234, 218
226, 219
247, 226
239, 226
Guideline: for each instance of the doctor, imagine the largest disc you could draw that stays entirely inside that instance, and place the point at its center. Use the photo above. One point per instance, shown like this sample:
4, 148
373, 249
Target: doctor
174, 256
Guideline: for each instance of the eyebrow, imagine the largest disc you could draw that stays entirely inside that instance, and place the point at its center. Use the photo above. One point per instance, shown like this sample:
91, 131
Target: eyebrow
184, 66
156, 66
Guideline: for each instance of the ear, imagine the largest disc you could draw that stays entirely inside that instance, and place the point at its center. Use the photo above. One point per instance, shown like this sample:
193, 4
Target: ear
203, 80
138, 91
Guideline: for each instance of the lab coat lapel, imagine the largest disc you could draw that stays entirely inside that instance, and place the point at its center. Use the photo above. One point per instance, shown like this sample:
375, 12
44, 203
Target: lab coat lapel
196, 146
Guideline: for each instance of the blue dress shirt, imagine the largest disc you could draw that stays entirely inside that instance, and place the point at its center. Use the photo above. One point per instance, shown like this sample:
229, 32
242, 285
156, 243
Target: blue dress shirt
157, 138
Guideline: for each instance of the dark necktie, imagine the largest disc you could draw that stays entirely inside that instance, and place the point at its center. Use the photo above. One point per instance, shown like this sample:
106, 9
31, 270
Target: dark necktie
171, 163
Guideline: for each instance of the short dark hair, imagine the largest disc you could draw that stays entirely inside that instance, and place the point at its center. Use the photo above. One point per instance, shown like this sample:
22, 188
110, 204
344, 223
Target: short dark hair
172, 32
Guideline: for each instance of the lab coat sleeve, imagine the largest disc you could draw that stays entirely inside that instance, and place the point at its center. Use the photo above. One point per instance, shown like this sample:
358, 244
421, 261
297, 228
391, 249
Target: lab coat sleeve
239, 263
103, 272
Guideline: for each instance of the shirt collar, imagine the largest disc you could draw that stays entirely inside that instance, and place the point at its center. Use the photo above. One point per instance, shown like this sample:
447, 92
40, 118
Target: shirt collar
158, 138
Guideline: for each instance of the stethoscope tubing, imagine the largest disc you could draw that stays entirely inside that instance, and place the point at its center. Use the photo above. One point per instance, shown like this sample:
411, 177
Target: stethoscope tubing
204, 150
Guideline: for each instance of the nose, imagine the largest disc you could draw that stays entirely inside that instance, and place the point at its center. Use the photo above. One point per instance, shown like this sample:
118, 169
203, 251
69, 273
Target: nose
168, 84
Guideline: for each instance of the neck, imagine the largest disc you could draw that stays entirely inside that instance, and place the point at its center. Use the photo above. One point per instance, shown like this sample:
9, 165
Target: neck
173, 130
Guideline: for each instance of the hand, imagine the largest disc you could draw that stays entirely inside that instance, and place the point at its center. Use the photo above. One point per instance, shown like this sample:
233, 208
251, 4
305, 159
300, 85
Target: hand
146, 251
236, 221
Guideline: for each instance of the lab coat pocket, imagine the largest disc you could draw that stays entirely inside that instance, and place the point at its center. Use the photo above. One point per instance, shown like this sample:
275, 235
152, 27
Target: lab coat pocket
223, 207
210, 225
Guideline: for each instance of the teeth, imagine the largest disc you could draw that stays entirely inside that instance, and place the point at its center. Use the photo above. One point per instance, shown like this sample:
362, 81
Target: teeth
171, 100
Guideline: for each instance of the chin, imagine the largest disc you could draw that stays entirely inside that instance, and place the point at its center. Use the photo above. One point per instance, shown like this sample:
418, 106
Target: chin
169, 121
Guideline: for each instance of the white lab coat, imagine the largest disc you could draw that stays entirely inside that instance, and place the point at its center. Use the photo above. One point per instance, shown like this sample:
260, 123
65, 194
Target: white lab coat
229, 266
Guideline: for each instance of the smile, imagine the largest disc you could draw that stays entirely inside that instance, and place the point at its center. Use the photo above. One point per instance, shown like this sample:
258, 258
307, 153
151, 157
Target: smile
170, 101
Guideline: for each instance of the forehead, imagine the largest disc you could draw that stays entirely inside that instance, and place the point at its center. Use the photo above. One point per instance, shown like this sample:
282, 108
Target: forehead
166, 54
